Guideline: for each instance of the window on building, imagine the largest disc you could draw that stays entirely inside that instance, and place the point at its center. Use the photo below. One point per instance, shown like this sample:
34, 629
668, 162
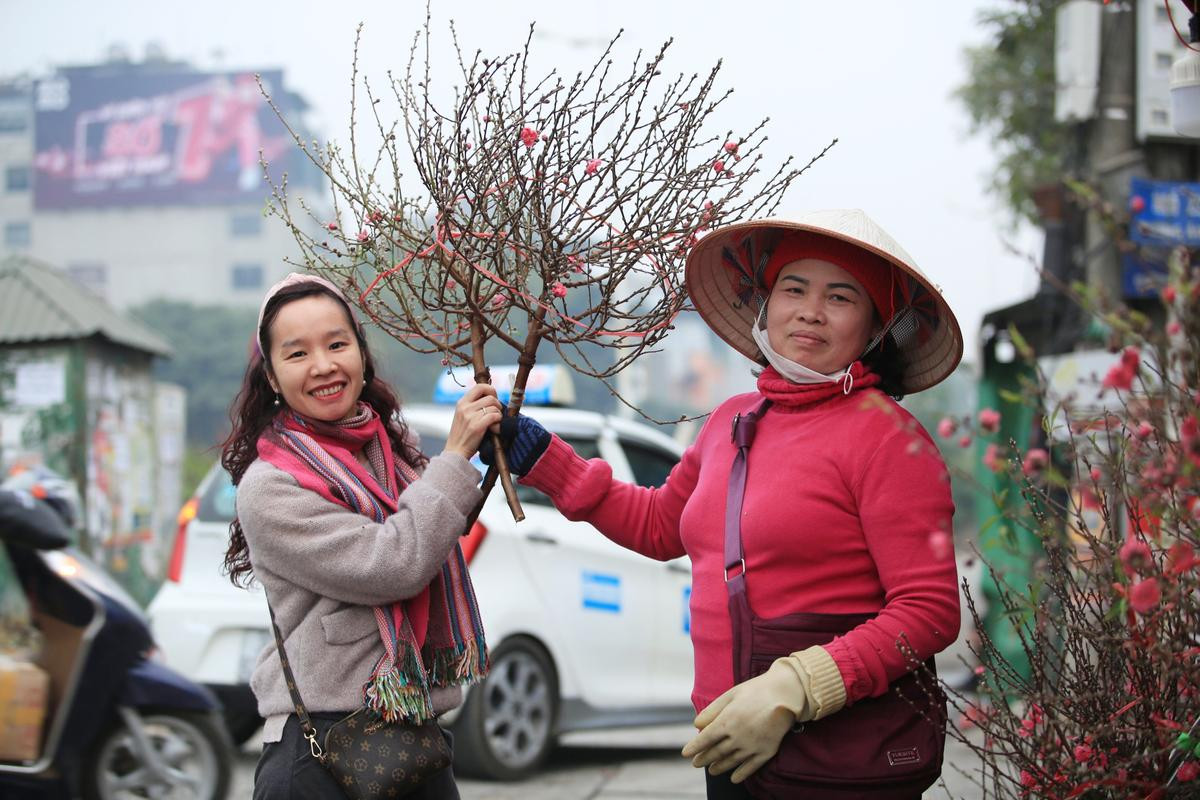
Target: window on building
91, 275
17, 234
247, 276
245, 225
16, 179
14, 114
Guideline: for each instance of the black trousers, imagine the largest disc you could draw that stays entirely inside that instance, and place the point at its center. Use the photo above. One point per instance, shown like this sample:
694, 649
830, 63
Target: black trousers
721, 788
287, 770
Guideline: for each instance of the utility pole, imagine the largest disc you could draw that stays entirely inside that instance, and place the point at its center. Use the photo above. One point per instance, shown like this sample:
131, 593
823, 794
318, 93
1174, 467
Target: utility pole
1113, 155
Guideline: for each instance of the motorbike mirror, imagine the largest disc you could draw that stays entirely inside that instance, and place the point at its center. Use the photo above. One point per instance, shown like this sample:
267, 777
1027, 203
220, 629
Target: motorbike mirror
28, 522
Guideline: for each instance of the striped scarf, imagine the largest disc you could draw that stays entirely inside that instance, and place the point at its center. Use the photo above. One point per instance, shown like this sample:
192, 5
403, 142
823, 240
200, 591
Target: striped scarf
320, 455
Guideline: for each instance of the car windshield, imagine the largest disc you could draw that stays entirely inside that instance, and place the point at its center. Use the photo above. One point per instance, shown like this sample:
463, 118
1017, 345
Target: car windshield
216, 505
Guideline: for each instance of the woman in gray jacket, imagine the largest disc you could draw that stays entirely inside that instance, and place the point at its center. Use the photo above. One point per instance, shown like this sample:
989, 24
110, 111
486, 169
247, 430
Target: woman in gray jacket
353, 534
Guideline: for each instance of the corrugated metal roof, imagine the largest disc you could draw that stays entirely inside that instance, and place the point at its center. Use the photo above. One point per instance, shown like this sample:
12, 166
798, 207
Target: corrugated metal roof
38, 303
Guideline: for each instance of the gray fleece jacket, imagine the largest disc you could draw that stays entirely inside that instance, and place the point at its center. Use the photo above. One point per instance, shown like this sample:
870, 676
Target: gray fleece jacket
325, 568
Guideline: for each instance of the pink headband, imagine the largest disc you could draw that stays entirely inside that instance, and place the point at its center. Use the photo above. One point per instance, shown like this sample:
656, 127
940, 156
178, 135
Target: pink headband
293, 279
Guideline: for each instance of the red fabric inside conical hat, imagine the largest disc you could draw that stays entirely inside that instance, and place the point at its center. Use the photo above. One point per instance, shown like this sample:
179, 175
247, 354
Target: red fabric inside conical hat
874, 273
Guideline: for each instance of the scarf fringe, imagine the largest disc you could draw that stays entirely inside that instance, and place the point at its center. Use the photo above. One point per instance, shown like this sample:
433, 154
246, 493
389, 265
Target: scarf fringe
463, 665
395, 696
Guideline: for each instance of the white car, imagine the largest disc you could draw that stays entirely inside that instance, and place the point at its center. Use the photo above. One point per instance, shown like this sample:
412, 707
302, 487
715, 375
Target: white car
583, 633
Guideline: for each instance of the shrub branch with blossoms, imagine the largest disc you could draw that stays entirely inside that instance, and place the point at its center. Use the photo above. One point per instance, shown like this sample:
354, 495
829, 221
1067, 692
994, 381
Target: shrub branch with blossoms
1109, 706
547, 208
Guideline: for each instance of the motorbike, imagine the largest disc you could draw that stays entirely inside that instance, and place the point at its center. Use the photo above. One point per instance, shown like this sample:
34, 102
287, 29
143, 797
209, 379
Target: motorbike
119, 724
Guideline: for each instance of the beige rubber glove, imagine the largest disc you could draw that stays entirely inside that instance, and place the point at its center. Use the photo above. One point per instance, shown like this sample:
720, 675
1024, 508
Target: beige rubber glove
743, 727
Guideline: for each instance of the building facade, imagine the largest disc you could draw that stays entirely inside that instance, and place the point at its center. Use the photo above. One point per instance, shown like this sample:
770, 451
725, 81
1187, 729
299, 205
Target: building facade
144, 181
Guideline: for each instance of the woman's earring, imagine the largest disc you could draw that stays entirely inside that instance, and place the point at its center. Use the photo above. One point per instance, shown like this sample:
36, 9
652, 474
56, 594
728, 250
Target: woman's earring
276, 399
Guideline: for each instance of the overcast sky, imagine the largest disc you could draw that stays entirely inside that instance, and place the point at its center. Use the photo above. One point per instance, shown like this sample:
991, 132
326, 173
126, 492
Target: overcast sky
878, 76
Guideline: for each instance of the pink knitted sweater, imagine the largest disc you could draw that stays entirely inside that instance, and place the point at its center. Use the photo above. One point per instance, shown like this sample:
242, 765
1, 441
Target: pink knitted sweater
841, 501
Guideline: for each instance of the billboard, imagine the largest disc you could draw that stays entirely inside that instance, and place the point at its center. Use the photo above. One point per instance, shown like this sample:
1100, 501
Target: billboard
105, 137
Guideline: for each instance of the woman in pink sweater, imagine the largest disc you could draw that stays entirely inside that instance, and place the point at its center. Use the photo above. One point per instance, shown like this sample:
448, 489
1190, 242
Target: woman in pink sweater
846, 507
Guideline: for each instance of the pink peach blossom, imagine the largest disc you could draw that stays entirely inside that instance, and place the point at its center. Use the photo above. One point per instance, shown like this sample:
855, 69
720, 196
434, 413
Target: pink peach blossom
992, 458
1135, 554
1168, 295
1094, 474
947, 427
1117, 377
1188, 771
559, 290
333, 226
718, 166
731, 148
989, 420
1083, 753
1035, 461
592, 165
941, 545
964, 441
529, 136
1173, 328
1144, 595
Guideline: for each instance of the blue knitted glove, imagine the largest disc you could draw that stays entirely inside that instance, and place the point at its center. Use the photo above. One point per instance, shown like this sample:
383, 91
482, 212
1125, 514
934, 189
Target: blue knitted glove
524, 441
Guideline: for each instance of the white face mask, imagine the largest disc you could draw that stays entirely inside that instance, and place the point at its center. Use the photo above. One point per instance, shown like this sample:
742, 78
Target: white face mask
792, 370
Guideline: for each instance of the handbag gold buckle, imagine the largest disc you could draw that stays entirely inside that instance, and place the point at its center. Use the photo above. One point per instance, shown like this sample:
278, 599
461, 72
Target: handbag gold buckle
317, 752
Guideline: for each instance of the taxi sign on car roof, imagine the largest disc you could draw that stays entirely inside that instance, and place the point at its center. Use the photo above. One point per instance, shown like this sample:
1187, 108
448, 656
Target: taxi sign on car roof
548, 384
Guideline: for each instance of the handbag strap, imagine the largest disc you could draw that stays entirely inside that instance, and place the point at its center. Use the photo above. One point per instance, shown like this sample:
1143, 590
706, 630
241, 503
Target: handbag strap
744, 428
310, 732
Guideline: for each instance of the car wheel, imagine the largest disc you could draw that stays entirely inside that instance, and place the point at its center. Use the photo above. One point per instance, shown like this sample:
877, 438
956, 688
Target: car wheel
506, 727
194, 750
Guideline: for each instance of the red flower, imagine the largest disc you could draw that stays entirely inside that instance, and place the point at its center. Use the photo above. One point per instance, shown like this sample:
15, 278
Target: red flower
332, 226
718, 166
593, 165
947, 427
1131, 358
731, 148
450, 284
1173, 328
529, 136
1083, 753
964, 441
1027, 779
1181, 557
363, 236
1095, 474
1117, 377
1143, 430
1188, 771
1035, 461
559, 290
1144, 596
1135, 554
941, 545
1168, 295
989, 420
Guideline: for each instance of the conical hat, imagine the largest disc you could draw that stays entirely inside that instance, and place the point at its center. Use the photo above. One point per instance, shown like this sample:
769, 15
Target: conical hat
724, 280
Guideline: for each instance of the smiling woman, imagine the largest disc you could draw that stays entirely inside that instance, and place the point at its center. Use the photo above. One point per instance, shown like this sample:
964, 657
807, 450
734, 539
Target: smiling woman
353, 534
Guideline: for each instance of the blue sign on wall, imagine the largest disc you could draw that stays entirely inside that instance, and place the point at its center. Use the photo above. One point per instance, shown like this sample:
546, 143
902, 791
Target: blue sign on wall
1164, 213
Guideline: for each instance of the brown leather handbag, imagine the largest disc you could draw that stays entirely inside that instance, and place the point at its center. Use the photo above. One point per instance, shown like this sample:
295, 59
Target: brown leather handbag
370, 758
889, 746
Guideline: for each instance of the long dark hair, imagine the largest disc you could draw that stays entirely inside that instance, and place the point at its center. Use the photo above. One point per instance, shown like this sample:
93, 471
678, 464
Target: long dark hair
886, 360
254, 408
